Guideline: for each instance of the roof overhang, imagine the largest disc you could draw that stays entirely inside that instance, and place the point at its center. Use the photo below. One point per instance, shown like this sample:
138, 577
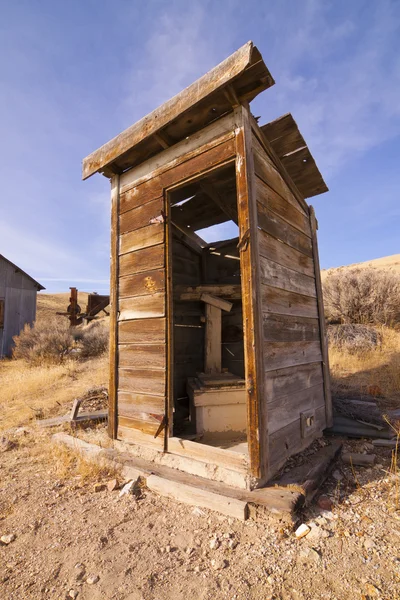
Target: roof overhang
17, 269
239, 78
289, 145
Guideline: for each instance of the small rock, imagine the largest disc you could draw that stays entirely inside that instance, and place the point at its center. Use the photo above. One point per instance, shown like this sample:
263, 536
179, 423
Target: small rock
112, 485
99, 487
371, 590
72, 594
168, 549
310, 553
92, 579
6, 444
197, 569
369, 544
7, 539
189, 550
217, 565
337, 475
302, 531
214, 544
232, 544
325, 502
127, 489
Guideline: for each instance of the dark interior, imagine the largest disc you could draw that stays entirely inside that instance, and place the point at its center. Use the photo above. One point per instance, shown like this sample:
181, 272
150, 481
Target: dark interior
208, 201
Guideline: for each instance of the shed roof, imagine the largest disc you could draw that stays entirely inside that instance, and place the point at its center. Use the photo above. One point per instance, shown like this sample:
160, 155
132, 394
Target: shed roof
240, 77
288, 143
39, 285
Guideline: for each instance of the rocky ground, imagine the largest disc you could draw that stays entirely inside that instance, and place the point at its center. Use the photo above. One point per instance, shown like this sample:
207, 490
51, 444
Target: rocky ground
62, 539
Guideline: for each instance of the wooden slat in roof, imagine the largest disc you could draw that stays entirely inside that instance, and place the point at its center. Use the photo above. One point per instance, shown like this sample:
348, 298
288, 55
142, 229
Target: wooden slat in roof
290, 146
238, 78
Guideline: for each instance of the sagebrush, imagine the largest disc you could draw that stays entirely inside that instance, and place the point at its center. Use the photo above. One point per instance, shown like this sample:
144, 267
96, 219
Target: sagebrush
354, 338
363, 296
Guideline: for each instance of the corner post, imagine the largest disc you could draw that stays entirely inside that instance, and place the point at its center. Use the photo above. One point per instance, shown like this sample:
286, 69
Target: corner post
114, 275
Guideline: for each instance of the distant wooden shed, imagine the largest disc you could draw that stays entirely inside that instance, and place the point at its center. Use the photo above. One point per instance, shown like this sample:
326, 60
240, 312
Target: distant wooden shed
218, 350
18, 292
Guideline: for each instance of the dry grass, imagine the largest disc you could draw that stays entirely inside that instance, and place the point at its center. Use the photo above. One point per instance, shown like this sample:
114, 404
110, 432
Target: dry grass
49, 304
28, 393
67, 463
375, 372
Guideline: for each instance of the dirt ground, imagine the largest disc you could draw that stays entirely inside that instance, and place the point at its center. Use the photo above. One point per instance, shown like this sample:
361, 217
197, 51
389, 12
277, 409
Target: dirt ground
74, 542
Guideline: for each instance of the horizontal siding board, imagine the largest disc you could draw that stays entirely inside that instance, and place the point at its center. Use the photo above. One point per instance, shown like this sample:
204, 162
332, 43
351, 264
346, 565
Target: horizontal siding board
285, 354
288, 408
131, 403
282, 207
147, 425
142, 284
291, 380
142, 238
286, 279
142, 307
140, 216
279, 229
140, 356
145, 331
142, 381
283, 302
289, 328
284, 255
147, 259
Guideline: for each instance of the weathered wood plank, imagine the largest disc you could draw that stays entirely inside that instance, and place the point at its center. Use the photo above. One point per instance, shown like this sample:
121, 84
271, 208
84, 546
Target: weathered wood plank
281, 253
287, 441
135, 436
145, 331
194, 292
114, 292
147, 259
142, 307
287, 408
142, 381
217, 302
131, 403
147, 424
286, 279
142, 284
282, 302
251, 298
282, 382
141, 216
210, 454
212, 345
282, 207
141, 238
281, 230
140, 356
289, 328
279, 355
321, 313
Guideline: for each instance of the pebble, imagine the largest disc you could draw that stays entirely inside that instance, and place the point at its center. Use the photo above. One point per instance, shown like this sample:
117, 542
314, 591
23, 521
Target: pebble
214, 544
217, 565
92, 579
302, 531
99, 487
112, 485
369, 544
325, 502
168, 549
7, 539
337, 475
72, 594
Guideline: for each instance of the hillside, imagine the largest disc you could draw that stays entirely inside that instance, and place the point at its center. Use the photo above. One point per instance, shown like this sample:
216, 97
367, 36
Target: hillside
49, 304
386, 262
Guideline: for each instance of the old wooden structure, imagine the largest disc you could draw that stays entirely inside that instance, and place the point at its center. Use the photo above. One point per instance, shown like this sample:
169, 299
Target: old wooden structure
18, 292
218, 350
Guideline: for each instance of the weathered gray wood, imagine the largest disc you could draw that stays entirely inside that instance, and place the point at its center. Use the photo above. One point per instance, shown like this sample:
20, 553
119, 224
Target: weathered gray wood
212, 346
217, 302
286, 279
143, 331
75, 408
114, 293
279, 355
142, 307
141, 238
285, 255
283, 302
287, 409
147, 259
359, 460
289, 328
386, 443
140, 356
192, 293
291, 380
142, 381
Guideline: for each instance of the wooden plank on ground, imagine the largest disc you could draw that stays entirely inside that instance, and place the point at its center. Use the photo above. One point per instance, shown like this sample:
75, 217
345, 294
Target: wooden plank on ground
142, 307
283, 302
230, 507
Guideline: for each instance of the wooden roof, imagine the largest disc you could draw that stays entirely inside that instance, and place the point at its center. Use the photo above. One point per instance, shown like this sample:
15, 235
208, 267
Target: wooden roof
238, 78
288, 143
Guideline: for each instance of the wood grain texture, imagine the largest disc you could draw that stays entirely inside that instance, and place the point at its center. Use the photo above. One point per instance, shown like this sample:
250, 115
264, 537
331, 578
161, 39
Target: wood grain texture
130, 403
282, 207
142, 284
283, 302
146, 331
321, 313
289, 328
114, 276
212, 344
140, 216
142, 381
281, 253
142, 307
141, 238
287, 409
142, 356
147, 424
279, 355
147, 259
290, 380
281, 230
257, 426
286, 279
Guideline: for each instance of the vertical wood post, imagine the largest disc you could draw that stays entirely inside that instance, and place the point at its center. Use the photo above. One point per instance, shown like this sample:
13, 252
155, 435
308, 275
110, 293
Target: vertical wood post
212, 346
321, 315
113, 385
257, 426
169, 396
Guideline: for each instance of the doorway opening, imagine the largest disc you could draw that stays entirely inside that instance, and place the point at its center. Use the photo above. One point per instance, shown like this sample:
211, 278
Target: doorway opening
209, 396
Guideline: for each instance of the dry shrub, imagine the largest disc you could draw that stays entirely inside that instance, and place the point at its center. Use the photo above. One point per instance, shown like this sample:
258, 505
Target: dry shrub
365, 296
67, 463
354, 338
47, 342
93, 340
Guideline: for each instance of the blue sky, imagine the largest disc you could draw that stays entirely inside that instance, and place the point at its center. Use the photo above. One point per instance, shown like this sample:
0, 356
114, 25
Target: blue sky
74, 74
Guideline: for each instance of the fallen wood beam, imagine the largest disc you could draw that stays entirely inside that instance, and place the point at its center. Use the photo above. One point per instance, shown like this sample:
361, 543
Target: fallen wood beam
359, 460
387, 443
97, 415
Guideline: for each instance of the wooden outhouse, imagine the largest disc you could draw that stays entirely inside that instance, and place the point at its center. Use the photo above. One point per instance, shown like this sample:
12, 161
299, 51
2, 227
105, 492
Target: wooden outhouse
218, 350
18, 292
